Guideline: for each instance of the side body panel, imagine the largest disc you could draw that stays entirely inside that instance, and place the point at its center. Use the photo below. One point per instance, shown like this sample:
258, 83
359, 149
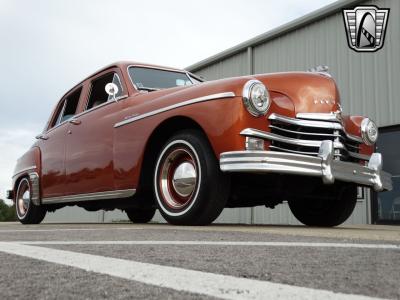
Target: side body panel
53, 161
89, 151
89, 145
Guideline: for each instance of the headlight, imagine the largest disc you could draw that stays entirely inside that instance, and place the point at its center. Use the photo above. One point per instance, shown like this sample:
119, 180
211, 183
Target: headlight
369, 131
256, 97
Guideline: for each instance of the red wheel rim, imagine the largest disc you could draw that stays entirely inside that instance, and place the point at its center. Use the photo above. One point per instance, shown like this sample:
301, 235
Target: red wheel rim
177, 178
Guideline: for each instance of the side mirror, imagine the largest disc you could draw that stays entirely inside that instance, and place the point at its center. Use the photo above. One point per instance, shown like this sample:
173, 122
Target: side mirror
111, 89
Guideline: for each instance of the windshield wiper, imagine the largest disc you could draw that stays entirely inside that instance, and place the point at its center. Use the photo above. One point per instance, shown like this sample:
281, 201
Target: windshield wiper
150, 89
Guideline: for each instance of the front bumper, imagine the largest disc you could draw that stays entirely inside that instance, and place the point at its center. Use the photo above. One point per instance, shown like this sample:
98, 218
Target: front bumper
10, 194
324, 165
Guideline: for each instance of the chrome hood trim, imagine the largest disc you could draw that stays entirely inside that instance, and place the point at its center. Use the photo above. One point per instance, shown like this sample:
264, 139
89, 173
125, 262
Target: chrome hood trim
174, 106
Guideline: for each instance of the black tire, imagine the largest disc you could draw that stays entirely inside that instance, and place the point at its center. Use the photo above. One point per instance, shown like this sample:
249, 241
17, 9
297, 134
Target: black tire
332, 207
27, 211
198, 194
140, 216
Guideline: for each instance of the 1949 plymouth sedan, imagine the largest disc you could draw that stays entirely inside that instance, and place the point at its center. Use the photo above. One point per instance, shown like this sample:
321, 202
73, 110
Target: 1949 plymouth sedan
140, 137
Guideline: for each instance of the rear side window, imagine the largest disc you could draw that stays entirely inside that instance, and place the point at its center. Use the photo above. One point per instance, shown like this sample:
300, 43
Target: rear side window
98, 93
68, 107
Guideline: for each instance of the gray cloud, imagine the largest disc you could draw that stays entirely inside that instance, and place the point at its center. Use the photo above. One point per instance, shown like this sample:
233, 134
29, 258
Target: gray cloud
48, 46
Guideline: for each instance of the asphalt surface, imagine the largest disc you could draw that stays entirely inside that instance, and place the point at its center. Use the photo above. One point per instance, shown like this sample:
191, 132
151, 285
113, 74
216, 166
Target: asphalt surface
351, 260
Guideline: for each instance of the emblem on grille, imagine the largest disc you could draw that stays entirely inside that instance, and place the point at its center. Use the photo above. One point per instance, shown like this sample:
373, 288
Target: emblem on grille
366, 27
324, 101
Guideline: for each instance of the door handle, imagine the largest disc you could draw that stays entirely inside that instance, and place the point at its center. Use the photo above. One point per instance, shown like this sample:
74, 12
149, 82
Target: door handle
75, 121
42, 137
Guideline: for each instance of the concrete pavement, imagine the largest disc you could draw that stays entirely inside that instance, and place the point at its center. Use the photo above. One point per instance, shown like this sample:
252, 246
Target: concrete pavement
126, 261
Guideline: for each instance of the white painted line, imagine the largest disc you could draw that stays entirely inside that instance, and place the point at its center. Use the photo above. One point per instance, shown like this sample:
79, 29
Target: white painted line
219, 243
70, 229
203, 283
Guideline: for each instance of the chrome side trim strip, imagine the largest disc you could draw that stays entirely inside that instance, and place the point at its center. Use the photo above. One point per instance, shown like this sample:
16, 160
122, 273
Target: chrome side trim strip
177, 105
24, 170
90, 197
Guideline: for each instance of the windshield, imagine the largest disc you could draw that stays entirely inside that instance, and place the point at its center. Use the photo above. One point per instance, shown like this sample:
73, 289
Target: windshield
156, 79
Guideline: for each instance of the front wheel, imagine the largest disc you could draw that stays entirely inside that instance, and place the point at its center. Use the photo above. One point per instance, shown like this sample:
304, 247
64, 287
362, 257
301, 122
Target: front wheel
27, 211
330, 206
189, 187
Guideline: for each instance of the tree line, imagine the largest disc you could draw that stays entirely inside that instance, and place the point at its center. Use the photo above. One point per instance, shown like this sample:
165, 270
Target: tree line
7, 213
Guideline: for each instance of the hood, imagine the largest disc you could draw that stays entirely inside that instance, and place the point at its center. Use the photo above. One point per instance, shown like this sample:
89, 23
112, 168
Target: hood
309, 92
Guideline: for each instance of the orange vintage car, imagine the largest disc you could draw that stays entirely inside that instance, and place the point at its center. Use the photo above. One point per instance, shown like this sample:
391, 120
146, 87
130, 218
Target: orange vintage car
140, 137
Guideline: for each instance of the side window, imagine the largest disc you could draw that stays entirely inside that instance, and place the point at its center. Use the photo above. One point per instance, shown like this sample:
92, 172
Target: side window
68, 108
98, 93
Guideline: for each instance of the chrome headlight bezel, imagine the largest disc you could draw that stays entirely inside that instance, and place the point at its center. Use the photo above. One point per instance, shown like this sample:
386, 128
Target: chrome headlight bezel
369, 131
249, 98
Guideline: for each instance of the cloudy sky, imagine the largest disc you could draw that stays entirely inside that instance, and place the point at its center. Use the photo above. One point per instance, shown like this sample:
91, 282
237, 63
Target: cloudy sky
46, 46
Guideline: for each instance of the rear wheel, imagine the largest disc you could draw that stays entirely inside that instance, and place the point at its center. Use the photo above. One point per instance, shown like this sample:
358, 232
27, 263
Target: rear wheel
27, 211
140, 215
332, 207
190, 188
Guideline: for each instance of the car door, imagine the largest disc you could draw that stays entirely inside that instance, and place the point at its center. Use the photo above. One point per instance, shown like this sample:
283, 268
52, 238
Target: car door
89, 150
52, 146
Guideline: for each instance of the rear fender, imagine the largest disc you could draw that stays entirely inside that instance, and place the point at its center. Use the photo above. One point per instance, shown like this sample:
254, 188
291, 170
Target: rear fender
29, 166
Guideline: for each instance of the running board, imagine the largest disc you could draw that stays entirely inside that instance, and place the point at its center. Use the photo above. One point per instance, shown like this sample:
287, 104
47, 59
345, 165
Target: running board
90, 197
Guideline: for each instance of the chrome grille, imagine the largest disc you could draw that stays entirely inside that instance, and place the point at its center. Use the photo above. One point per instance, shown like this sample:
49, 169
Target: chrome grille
304, 136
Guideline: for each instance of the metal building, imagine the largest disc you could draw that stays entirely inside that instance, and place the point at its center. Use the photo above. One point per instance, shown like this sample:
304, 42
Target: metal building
369, 84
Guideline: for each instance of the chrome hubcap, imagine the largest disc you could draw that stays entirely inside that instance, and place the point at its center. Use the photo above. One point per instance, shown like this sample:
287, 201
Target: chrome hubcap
184, 179
178, 178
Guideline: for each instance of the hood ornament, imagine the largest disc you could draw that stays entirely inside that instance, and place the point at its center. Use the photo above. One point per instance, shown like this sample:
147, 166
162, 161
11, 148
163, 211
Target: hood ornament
322, 69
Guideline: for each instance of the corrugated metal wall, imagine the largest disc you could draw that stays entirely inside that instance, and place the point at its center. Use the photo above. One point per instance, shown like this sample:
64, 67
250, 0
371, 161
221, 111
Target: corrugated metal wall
369, 84
236, 65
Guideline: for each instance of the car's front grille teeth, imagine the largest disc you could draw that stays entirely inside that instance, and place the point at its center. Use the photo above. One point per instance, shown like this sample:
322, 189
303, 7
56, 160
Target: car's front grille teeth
293, 138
